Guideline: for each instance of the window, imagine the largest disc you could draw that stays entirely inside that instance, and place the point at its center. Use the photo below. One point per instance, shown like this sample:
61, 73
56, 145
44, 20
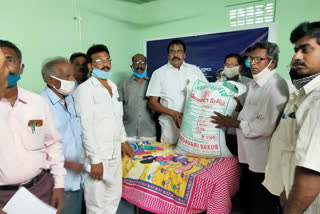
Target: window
254, 13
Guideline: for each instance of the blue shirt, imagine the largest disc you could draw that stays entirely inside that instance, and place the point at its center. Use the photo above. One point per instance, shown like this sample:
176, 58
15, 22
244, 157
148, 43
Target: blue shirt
69, 127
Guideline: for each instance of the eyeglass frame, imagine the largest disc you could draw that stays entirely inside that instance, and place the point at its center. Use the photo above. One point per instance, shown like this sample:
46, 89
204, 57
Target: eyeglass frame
257, 59
140, 62
100, 61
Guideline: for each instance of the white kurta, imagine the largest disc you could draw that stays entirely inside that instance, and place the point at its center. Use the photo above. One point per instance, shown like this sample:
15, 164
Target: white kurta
169, 83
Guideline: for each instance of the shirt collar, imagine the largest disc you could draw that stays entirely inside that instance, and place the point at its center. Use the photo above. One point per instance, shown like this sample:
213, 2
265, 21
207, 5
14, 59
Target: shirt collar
22, 96
52, 96
309, 87
265, 79
95, 81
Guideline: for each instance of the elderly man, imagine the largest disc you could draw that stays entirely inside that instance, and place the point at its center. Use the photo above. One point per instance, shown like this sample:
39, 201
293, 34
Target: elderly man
169, 83
138, 118
58, 74
3, 74
30, 144
97, 104
79, 62
293, 167
267, 95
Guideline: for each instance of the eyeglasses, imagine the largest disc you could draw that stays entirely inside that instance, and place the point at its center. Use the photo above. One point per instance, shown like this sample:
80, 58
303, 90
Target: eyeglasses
11, 60
257, 59
139, 63
100, 61
174, 51
230, 65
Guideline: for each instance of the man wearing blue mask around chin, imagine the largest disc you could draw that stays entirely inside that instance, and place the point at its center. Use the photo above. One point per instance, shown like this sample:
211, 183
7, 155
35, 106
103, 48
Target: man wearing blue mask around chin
138, 118
30, 144
104, 137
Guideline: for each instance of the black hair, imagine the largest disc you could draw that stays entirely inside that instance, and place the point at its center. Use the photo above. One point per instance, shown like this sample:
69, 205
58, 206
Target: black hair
311, 30
235, 55
77, 54
138, 54
7, 44
177, 42
96, 49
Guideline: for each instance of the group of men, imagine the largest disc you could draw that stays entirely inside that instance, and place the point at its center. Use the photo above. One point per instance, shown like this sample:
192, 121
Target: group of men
81, 121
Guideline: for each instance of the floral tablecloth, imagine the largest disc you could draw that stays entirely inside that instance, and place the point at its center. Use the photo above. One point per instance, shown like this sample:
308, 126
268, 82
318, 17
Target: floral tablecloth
163, 182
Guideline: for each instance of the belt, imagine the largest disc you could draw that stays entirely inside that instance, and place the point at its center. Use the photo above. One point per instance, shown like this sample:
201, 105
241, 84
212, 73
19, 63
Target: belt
26, 185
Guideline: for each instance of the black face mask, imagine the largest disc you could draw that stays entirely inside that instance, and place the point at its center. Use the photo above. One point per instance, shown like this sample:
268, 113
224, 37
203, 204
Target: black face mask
300, 80
295, 76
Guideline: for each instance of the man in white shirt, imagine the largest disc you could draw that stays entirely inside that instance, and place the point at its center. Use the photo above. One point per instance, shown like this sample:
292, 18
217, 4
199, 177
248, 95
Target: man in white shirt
293, 169
266, 97
97, 104
169, 84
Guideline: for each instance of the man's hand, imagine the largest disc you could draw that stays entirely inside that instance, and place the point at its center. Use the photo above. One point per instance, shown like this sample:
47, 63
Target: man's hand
224, 121
2, 212
177, 117
97, 171
57, 199
283, 199
74, 166
127, 150
239, 106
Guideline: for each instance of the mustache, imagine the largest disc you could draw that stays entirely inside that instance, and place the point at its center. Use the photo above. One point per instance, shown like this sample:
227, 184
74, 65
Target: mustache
105, 68
174, 58
297, 63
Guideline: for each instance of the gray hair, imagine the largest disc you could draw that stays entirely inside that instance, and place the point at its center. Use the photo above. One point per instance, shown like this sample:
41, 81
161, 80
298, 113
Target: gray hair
272, 50
49, 66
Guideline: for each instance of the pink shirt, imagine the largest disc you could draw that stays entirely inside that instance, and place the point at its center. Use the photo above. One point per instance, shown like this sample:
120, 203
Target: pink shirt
24, 154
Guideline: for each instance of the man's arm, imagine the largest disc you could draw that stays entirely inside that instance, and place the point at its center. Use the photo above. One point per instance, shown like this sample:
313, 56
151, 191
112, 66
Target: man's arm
83, 103
306, 187
55, 158
156, 106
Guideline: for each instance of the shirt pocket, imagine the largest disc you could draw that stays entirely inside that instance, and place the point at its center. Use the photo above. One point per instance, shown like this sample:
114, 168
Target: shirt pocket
34, 140
288, 126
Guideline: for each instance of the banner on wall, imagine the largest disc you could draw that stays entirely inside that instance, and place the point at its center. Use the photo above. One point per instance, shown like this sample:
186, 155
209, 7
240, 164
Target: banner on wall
206, 51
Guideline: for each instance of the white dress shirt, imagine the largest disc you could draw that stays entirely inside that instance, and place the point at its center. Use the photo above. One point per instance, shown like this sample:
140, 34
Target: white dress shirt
296, 142
101, 120
262, 109
169, 83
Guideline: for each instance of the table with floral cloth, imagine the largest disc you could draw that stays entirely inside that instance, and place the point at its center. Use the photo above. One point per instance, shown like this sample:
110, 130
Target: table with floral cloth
163, 182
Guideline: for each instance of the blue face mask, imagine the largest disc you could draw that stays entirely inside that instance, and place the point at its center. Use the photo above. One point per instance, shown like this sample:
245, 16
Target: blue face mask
101, 74
13, 79
140, 76
247, 63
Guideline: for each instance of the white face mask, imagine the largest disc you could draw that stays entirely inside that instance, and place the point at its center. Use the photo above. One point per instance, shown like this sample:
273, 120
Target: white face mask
231, 72
66, 87
262, 73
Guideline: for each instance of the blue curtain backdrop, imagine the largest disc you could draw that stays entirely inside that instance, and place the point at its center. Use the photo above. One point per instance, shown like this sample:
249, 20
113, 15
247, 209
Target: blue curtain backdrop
206, 51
